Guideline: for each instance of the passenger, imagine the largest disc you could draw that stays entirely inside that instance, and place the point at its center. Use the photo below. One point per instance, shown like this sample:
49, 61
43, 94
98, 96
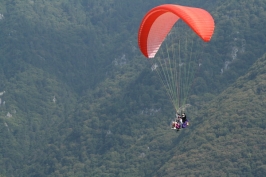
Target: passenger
184, 120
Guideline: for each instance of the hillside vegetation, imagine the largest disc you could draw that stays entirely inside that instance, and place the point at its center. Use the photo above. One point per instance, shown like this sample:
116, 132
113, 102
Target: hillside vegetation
229, 139
77, 98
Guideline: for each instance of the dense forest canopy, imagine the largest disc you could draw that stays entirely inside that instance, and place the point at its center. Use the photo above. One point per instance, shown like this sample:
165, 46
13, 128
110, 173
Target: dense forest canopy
77, 98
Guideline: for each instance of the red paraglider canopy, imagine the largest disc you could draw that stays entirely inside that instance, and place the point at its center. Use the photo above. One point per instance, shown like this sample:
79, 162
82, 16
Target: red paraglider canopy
158, 22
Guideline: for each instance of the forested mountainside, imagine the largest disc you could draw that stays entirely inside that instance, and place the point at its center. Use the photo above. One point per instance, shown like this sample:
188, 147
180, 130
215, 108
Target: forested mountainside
77, 98
228, 139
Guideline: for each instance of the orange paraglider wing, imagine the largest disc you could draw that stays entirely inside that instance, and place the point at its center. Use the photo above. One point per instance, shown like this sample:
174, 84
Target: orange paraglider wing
158, 22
